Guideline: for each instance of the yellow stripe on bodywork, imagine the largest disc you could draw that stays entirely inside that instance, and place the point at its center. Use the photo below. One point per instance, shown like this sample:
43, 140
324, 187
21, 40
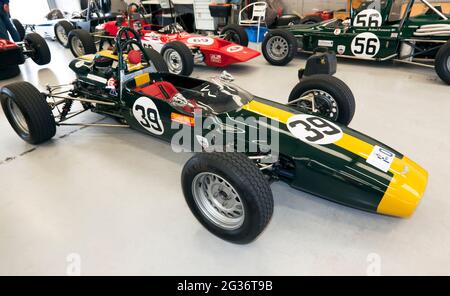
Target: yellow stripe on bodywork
409, 179
142, 79
405, 190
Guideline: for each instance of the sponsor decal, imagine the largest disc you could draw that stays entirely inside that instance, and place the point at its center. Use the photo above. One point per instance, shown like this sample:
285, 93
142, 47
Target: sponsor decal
337, 32
314, 130
97, 78
216, 58
200, 40
147, 114
111, 85
341, 49
365, 45
381, 158
326, 43
235, 48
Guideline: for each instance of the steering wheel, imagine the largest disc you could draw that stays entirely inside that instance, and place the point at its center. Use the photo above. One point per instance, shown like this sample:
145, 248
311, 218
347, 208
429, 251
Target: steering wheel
126, 38
127, 34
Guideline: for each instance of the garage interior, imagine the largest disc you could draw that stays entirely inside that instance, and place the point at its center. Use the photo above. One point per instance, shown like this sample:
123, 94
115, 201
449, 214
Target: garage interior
114, 197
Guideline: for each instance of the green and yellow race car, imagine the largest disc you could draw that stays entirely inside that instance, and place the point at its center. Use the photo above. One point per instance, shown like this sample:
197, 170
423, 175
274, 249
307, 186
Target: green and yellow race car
243, 142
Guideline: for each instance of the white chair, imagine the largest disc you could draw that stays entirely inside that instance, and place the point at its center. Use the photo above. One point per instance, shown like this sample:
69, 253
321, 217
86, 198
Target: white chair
258, 16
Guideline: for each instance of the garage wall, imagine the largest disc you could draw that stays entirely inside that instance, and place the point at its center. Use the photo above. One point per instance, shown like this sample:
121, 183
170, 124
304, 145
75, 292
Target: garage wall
305, 6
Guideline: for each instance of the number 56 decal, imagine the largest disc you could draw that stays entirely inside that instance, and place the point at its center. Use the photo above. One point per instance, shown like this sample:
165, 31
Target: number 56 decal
147, 114
314, 130
365, 45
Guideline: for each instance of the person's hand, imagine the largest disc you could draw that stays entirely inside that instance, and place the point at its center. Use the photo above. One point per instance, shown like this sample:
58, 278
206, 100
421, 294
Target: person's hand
6, 8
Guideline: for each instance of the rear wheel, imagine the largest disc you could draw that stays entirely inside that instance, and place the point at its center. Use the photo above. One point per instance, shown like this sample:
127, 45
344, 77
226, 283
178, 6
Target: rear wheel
228, 195
326, 96
40, 52
442, 63
19, 27
178, 58
62, 30
279, 47
157, 60
236, 34
28, 112
81, 43
7, 72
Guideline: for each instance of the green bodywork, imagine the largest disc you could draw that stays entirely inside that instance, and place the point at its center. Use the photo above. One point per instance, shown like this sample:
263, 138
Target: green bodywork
395, 29
338, 171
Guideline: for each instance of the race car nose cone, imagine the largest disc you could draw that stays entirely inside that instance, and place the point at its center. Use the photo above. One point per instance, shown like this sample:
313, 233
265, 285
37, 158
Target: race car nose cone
405, 190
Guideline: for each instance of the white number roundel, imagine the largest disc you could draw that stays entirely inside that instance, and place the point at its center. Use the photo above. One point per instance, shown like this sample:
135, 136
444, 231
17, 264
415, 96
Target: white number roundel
147, 114
314, 130
365, 45
368, 18
200, 40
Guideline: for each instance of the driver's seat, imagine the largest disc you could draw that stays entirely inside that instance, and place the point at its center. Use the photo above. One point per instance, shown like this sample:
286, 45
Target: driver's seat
162, 90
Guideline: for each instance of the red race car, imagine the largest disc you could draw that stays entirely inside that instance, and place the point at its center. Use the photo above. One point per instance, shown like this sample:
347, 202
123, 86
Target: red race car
181, 50
14, 54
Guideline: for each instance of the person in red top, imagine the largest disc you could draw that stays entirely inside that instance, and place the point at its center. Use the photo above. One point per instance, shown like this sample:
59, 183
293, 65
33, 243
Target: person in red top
5, 22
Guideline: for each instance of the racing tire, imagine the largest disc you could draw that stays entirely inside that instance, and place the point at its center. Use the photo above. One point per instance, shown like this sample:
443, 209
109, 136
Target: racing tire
7, 72
81, 43
62, 31
235, 33
28, 112
279, 47
157, 60
41, 53
311, 19
333, 98
178, 57
240, 203
442, 63
19, 27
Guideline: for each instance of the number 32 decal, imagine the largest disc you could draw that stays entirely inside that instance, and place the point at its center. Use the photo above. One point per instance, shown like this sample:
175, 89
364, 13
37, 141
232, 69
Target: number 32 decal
147, 114
314, 130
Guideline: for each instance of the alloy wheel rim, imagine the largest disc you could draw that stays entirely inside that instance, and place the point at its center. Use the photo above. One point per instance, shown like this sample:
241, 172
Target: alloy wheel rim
18, 117
173, 61
77, 46
278, 48
324, 103
218, 201
62, 36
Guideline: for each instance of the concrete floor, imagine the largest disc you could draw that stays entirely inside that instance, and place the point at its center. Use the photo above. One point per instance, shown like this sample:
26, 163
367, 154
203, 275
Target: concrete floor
114, 197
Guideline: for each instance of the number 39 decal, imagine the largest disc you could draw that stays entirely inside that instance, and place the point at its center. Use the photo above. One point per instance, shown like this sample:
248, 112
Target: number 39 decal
314, 130
146, 113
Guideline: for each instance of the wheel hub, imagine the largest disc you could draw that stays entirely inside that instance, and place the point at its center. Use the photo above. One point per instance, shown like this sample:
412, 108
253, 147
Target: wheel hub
218, 201
321, 103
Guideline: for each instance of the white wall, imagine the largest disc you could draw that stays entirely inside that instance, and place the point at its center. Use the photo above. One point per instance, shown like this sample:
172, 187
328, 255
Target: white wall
68, 5
306, 6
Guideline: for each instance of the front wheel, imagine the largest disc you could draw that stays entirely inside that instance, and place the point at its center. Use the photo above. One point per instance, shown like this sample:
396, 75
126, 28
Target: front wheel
178, 57
157, 60
442, 63
40, 53
228, 195
326, 96
81, 43
28, 112
279, 47
235, 33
